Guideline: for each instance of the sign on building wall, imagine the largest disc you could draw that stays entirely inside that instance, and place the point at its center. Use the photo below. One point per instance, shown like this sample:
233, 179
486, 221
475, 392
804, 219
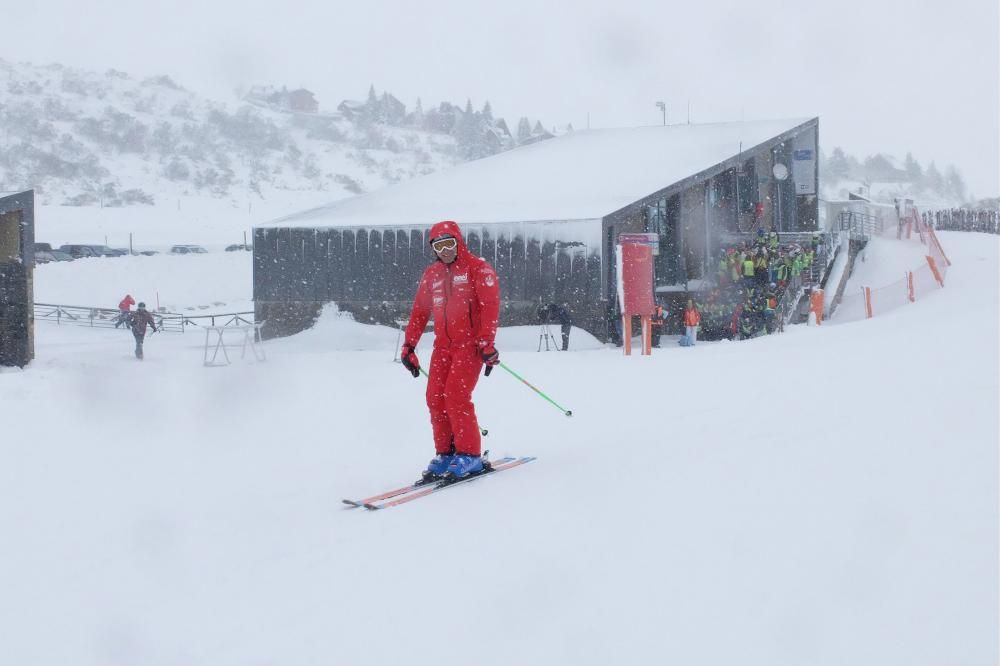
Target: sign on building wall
804, 162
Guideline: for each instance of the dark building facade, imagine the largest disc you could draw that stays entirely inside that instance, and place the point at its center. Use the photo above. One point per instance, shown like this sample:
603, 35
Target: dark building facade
17, 258
301, 263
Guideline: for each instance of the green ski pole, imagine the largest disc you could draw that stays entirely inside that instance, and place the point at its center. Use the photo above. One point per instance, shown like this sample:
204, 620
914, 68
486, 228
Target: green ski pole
566, 412
482, 431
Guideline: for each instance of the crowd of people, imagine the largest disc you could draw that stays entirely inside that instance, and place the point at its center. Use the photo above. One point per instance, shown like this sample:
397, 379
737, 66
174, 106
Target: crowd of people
763, 262
752, 276
964, 219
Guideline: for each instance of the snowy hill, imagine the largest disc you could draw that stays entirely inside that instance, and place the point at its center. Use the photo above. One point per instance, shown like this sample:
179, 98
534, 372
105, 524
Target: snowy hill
824, 496
83, 138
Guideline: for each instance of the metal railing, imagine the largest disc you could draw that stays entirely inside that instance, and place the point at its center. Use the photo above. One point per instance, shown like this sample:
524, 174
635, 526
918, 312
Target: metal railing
860, 226
170, 322
228, 319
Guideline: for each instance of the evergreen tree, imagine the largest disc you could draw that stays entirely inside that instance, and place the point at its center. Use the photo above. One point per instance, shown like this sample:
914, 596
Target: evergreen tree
954, 184
914, 172
467, 134
837, 167
373, 110
878, 167
538, 129
487, 112
523, 130
417, 118
934, 180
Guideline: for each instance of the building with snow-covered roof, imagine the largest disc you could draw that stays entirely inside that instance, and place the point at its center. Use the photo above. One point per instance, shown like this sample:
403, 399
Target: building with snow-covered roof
547, 217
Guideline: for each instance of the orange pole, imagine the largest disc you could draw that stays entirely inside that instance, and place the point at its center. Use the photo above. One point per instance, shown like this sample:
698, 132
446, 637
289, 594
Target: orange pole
868, 301
909, 285
934, 269
937, 244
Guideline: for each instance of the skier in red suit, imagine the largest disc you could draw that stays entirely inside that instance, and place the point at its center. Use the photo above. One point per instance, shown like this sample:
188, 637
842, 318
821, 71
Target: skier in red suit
461, 291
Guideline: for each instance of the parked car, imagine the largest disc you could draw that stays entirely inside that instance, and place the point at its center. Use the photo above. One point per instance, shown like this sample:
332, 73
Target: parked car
238, 247
105, 251
43, 247
78, 251
188, 249
47, 256
147, 253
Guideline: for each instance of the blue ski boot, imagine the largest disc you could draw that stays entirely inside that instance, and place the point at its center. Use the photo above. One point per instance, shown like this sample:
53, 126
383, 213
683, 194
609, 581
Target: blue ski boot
462, 465
438, 465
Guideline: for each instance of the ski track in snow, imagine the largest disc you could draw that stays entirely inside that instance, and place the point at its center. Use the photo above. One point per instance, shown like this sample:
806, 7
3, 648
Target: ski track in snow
825, 496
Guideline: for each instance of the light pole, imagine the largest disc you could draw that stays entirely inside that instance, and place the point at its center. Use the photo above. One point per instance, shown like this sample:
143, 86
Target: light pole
780, 173
663, 107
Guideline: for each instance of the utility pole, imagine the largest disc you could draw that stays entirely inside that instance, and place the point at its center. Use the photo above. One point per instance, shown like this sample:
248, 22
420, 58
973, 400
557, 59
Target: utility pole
663, 107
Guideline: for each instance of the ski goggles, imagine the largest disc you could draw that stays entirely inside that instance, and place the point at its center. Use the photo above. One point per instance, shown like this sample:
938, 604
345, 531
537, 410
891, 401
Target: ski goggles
445, 243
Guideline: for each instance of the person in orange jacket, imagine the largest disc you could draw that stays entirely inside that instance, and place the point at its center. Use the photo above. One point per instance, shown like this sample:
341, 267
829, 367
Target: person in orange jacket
692, 318
461, 292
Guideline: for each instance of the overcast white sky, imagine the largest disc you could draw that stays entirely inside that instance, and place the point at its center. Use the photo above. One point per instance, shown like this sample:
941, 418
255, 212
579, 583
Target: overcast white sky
882, 75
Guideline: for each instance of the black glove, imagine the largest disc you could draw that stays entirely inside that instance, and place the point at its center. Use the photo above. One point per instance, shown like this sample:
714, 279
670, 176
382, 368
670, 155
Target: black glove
410, 361
490, 356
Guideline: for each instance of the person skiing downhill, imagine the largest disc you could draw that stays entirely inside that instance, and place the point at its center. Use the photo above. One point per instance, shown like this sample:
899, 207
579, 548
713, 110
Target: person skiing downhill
462, 293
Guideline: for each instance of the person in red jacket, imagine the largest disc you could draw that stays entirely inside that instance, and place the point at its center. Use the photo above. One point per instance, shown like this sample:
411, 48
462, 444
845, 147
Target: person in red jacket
123, 307
461, 292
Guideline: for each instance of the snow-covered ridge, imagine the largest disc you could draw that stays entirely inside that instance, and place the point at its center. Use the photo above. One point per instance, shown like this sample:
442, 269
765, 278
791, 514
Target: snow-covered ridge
84, 138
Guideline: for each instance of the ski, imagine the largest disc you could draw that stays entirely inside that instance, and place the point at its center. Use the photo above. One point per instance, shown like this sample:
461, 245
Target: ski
498, 466
396, 492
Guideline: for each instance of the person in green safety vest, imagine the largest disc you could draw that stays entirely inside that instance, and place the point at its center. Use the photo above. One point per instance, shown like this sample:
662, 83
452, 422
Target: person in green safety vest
772, 240
747, 269
760, 266
797, 265
781, 274
723, 268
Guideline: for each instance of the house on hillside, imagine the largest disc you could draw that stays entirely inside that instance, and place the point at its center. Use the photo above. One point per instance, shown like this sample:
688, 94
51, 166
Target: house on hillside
548, 217
538, 133
393, 111
302, 101
351, 109
387, 109
299, 100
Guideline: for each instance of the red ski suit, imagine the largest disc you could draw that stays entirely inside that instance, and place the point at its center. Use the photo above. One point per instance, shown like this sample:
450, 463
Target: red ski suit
464, 298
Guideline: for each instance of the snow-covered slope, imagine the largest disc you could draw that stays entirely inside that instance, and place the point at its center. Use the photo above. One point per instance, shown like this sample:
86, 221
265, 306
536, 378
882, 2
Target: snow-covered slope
82, 138
825, 496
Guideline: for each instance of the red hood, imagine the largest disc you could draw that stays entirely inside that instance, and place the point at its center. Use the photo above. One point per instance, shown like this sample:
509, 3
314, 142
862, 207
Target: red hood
450, 228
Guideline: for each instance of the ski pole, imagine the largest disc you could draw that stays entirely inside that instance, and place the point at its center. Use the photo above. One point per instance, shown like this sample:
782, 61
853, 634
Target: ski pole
482, 431
566, 412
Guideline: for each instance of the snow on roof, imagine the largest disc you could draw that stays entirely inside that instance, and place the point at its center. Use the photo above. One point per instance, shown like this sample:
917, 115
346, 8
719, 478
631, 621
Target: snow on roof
580, 175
